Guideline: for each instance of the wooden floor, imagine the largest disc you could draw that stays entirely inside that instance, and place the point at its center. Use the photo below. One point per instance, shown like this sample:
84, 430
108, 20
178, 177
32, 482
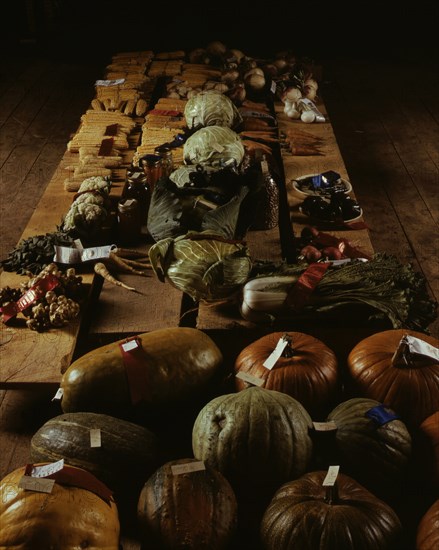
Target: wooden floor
386, 119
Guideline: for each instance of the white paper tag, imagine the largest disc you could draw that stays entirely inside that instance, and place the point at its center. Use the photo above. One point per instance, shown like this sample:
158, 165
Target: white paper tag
78, 244
66, 255
97, 252
274, 356
331, 476
419, 347
47, 469
38, 485
95, 437
131, 344
325, 426
273, 87
411, 347
254, 380
114, 82
187, 468
58, 395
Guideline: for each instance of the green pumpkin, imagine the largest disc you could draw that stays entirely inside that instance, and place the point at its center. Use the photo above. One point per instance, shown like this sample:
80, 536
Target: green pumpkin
257, 438
375, 455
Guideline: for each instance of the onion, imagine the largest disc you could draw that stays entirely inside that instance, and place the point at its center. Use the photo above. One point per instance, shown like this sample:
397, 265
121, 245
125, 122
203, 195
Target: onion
230, 76
237, 54
280, 64
311, 82
308, 117
292, 94
309, 92
254, 70
255, 81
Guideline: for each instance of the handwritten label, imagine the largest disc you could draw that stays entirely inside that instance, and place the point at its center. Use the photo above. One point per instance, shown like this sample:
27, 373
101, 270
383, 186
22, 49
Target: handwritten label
58, 395
273, 87
187, 468
37, 485
47, 469
95, 437
246, 377
275, 355
331, 476
66, 255
325, 426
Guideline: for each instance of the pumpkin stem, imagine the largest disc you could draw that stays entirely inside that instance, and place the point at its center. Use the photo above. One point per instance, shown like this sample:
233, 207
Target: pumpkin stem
331, 494
407, 357
289, 350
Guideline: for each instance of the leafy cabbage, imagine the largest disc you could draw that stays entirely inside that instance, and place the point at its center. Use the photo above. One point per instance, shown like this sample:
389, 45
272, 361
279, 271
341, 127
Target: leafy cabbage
213, 146
211, 108
204, 265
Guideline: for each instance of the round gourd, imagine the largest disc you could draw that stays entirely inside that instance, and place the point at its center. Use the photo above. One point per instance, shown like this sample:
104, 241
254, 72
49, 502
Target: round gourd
175, 365
257, 438
411, 391
374, 452
127, 456
307, 369
303, 515
427, 536
68, 517
194, 510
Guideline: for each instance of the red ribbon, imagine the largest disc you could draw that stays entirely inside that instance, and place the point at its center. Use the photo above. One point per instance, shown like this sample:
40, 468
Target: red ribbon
300, 294
29, 297
76, 477
134, 362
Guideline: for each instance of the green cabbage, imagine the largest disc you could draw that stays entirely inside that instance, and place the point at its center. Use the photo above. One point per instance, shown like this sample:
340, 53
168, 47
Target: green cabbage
213, 146
211, 108
203, 265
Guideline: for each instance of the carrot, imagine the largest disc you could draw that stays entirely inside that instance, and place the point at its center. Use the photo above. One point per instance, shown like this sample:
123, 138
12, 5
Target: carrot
101, 269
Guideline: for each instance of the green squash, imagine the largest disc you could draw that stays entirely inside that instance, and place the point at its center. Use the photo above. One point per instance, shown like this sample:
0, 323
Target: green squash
257, 438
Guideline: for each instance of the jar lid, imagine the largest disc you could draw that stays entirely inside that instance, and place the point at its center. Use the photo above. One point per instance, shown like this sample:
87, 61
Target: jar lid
150, 160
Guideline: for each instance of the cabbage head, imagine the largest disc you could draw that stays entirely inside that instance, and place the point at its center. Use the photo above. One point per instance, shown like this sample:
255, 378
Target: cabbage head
213, 146
211, 108
202, 264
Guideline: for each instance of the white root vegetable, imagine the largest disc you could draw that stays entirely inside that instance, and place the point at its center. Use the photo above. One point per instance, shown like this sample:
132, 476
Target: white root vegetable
101, 269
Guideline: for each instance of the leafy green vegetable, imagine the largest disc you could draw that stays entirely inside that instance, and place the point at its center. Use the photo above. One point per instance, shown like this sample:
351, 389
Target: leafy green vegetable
395, 292
213, 145
203, 265
211, 108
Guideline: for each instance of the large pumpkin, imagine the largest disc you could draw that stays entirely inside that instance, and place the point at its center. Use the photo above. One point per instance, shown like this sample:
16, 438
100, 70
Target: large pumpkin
170, 366
377, 372
305, 515
372, 444
427, 536
257, 438
193, 510
307, 369
68, 517
126, 457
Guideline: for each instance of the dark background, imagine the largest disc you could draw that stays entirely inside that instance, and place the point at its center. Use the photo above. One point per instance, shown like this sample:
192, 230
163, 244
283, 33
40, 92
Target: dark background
94, 29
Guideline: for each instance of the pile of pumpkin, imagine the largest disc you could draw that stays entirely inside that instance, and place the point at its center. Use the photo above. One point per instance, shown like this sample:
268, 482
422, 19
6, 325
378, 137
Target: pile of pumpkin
151, 441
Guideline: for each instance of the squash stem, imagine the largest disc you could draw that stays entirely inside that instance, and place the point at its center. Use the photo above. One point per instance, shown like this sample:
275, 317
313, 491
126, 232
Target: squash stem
331, 494
289, 350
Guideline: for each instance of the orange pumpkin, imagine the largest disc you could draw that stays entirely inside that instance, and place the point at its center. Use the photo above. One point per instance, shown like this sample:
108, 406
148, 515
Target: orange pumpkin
378, 372
67, 517
305, 514
307, 369
427, 536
